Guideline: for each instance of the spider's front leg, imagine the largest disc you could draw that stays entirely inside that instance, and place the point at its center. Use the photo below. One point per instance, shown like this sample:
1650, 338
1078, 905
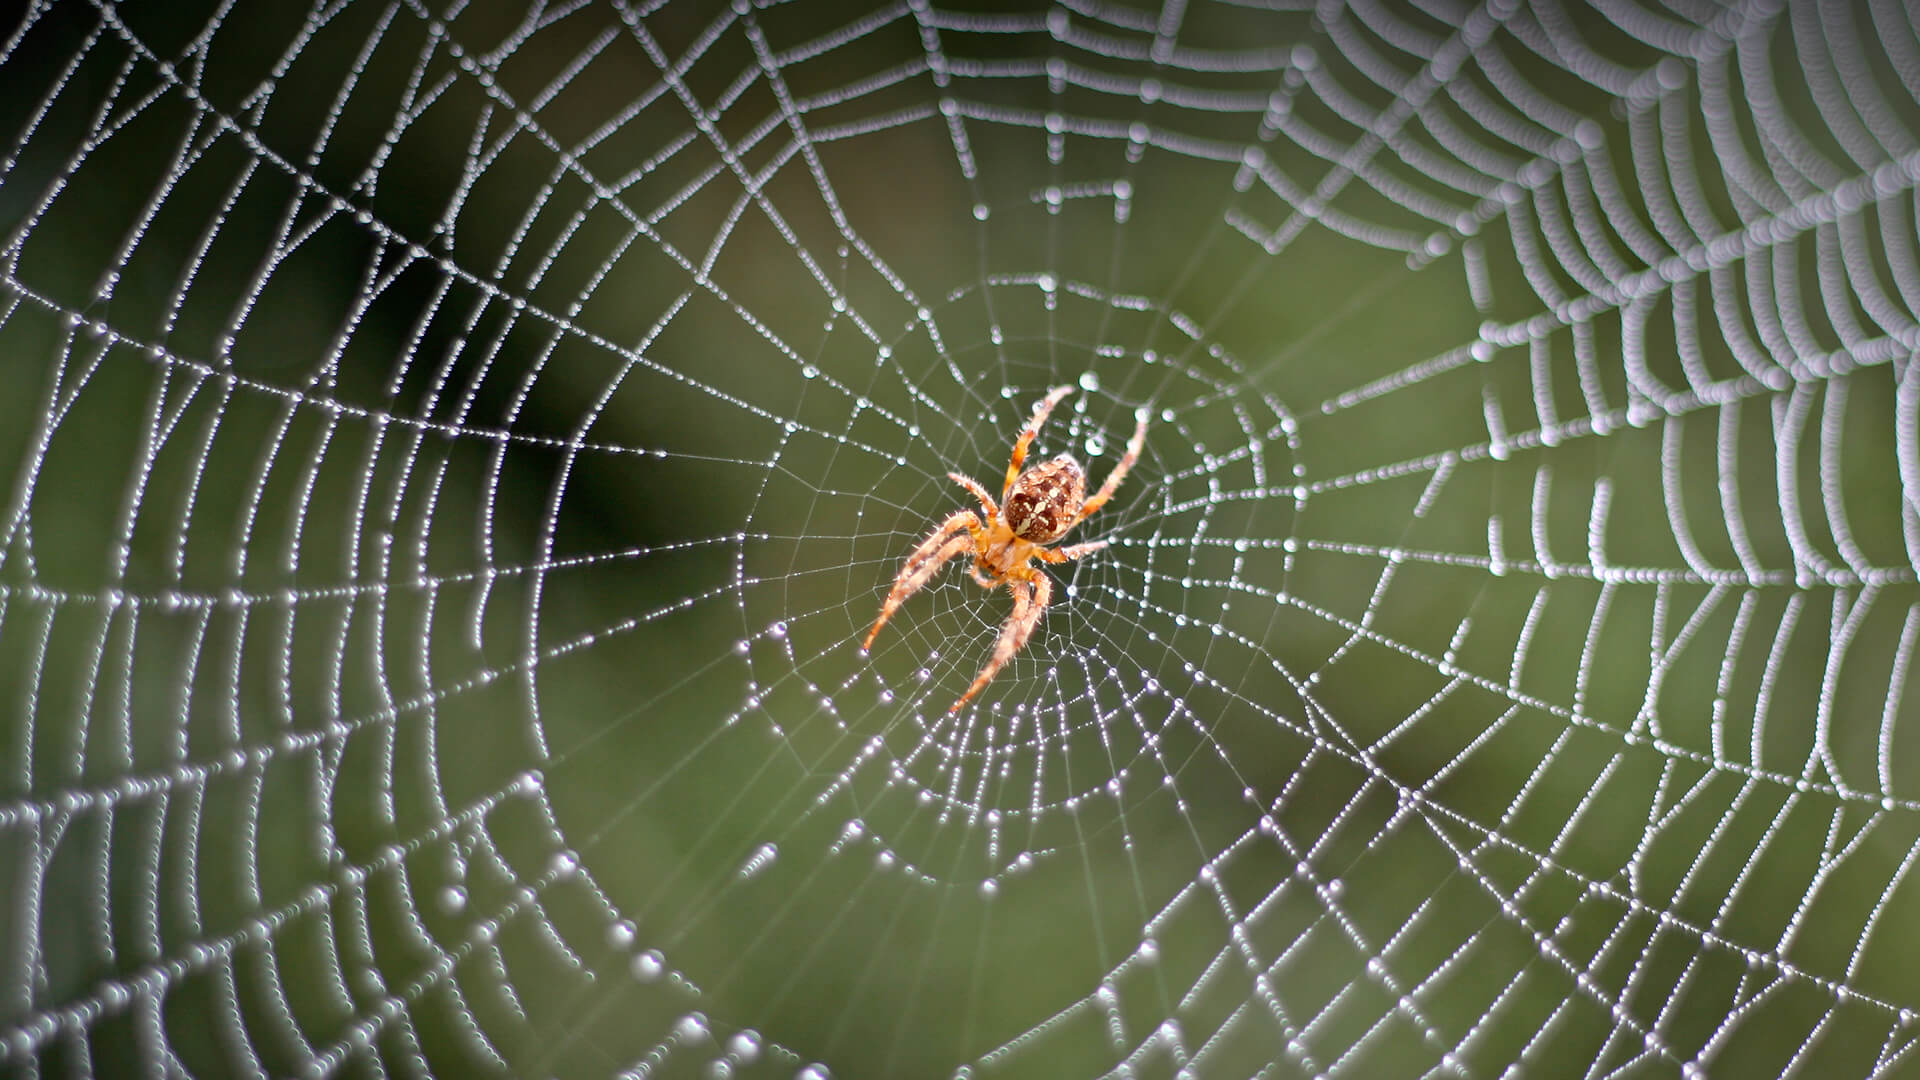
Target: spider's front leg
1119, 473
960, 533
1032, 592
987, 505
1027, 435
1070, 552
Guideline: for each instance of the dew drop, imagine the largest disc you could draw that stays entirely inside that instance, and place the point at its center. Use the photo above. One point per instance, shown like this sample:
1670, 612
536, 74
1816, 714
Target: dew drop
692, 1028
744, 1046
648, 965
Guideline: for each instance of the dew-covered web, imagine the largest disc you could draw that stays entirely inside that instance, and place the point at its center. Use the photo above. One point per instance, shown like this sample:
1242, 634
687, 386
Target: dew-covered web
454, 452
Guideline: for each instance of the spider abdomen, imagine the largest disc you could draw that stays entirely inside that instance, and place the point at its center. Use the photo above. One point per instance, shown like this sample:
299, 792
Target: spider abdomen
1045, 499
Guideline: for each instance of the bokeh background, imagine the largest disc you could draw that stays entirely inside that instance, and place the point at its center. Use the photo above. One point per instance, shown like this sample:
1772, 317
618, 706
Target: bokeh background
451, 454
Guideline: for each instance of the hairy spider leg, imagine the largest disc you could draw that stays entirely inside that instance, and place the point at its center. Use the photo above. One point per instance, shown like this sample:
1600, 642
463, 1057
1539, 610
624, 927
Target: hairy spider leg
983, 541
986, 500
1032, 429
1069, 553
926, 560
1032, 592
1118, 474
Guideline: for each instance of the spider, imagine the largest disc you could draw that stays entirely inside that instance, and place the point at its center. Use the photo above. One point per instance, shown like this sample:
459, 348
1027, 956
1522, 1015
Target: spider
1037, 507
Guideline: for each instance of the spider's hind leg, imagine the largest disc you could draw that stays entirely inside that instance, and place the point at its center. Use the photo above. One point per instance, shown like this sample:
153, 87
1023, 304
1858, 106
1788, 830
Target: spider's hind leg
959, 533
1032, 592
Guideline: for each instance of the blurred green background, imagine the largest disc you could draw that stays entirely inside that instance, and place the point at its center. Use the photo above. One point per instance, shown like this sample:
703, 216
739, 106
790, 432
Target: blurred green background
452, 457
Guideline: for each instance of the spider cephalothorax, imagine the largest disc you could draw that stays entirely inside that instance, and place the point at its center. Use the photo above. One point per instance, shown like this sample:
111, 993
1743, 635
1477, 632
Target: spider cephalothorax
1036, 508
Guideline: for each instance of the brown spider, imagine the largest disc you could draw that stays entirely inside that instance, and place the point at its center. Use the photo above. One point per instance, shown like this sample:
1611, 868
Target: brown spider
1040, 504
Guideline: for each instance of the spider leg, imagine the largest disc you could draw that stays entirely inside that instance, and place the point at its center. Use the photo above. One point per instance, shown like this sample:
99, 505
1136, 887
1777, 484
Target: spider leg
1032, 591
926, 560
1069, 553
1025, 440
1118, 474
986, 500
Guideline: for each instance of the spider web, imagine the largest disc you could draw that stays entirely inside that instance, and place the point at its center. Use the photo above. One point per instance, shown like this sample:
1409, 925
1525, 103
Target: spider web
453, 454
